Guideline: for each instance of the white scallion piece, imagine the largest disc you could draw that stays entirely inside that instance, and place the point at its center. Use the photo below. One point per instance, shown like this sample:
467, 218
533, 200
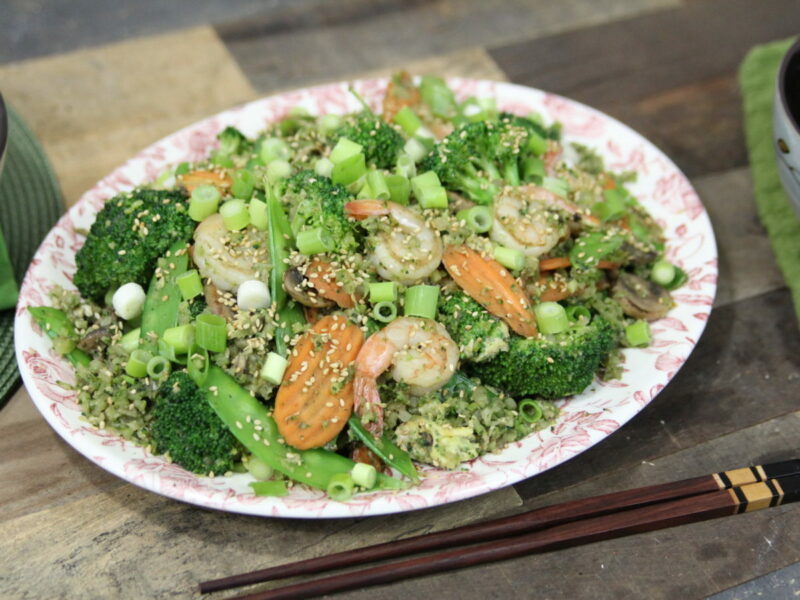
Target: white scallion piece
253, 294
128, 301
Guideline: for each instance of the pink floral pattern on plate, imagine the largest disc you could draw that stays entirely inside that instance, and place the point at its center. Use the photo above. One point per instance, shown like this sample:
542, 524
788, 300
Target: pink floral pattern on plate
585, 419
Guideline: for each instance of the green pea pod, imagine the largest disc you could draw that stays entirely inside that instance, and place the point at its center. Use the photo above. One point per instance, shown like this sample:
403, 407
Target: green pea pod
56, 325
288, 312
592, 247
385, 450
255, 428
163, 298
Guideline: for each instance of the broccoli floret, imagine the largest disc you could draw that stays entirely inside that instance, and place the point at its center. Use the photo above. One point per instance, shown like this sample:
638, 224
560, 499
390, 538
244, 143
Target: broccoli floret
381, 142
128, 236
479, 335
233, 141
187, 428
551, 133
321, 204
479, 158
551, 366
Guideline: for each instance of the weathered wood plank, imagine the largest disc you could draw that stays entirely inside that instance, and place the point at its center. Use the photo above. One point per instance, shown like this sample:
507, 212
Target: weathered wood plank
280, 57
94, 109
669, 74
743, 371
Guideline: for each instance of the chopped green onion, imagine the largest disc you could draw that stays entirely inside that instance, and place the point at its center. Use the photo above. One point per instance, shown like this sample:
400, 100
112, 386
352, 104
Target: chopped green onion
510, 258
345, 149
532, 168
198, 364
438, 96
324, 167
663, 272
433, 198
180, 338
422, 301
278, 169
137, 363
579, 314
258, 214
222, 160
259, 469
348, 170
638, 334
680, 278
612, 207
189, 284
408, 120
424, 180
314, 241
341, 487
274, 149
244, 182
551, 317
130, 341
203, 202
364, 475
182, 168
211, 332
530, 410
270, 488
405, 165
415, 149
365, 192
63, 346
536, 143
327, 124
158, 368
384, 311
556, 185
274, 368
399, 188
479, 218
383, 291
377, 185
426, 138
235, 215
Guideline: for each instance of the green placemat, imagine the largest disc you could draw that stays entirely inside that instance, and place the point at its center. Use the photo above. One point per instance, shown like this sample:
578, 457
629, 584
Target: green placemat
30, 204
757, 80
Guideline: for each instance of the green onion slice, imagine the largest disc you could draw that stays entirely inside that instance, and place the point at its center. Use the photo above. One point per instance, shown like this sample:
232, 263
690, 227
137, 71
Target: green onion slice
269, 488
638, 334
551, 317
274, 368
510, 258
137, 363
399, 188
244, 182
479, 218
383, 291
530, 410
364, 475
158, 368
422, 301
314, 241
189, 284
579, 314
180, 338
258, 214
385, 311
235, 214
203, 202
211, 332
341, 487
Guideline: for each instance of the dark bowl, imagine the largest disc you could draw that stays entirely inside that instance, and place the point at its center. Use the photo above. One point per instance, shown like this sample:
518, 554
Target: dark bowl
786, 124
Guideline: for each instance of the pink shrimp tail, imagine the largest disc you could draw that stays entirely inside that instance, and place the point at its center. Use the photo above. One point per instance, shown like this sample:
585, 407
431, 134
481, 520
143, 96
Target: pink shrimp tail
361, 209
367, 404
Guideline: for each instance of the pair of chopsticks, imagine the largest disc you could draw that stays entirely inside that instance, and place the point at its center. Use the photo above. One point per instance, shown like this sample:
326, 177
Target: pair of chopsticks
558, 526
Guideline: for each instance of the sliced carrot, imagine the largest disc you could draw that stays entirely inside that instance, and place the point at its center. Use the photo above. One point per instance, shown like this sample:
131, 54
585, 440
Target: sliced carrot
563, 262
312, 314
316, 396
197, 178
322, 276
553, 295
486, 281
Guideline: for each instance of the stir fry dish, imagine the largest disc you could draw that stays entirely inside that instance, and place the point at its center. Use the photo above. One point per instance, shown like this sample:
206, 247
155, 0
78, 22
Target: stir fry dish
345, 297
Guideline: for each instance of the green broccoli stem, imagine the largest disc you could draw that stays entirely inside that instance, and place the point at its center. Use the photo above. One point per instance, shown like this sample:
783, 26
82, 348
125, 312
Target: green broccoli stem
384, 449
164, 297
254, 427
287, 313
56, 325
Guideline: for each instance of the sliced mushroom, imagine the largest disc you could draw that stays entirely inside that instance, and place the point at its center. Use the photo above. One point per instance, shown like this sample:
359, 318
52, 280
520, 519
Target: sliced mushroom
640, 298
637, 256
215, 301
93, 339
299, 287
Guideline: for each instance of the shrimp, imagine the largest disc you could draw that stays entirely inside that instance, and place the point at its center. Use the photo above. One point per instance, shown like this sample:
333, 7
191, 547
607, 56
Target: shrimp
528, 218
421, 353
407, 252
226, 265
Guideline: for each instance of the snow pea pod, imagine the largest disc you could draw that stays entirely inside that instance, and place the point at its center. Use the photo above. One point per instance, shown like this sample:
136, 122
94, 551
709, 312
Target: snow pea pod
57, 326
255, 428
384, 449
160, 310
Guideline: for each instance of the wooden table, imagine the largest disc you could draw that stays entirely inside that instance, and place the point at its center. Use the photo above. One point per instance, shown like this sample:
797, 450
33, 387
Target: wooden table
665, 67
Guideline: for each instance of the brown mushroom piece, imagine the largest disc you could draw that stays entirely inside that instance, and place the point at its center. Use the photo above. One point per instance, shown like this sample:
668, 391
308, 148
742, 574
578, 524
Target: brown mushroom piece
94, 338
640, 298
300, 289
215, 301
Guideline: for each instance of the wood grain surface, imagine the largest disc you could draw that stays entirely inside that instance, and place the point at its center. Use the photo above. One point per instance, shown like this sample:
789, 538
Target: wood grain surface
665, 67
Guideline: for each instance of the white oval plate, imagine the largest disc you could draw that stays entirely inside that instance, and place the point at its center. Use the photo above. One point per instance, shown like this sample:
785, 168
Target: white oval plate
584, 420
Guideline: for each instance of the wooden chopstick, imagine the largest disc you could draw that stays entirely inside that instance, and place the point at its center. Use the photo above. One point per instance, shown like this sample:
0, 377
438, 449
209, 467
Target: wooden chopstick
515, 524
691, 509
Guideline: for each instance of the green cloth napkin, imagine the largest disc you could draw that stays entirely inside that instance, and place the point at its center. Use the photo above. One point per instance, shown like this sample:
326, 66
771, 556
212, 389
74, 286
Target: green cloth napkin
757, 76
8, 286
30, 204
